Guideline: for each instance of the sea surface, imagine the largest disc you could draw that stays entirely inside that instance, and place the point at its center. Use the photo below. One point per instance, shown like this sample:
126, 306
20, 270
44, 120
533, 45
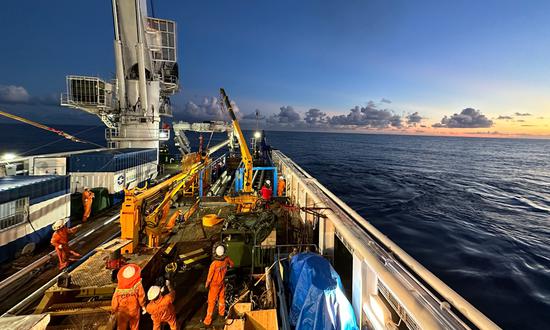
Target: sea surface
474, 211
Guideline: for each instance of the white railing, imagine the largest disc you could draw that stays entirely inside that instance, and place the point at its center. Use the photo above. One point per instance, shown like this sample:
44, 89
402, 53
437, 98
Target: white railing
378, 260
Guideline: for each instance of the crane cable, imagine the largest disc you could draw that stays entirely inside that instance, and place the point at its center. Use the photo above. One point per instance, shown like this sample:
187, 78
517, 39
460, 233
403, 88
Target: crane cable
44, 127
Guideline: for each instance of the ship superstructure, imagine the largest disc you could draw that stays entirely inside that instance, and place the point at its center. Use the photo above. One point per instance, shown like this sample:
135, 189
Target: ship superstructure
133, 104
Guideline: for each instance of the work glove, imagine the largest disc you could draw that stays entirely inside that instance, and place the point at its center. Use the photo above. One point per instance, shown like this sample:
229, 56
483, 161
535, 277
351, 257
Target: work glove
60, 246
143, 311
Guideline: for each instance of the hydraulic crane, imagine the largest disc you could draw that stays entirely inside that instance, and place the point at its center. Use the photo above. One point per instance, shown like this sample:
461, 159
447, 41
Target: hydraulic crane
246, 200
142, 209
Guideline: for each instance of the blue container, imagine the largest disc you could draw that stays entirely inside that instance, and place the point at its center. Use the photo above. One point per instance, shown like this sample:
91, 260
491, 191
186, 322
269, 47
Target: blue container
111, 160
38, 188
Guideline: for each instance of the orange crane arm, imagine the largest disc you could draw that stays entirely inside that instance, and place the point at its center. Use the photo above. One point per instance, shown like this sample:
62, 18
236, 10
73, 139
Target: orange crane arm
44, 127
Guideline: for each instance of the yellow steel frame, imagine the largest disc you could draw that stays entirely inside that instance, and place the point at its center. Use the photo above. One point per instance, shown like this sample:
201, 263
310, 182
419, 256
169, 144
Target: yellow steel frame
131, 213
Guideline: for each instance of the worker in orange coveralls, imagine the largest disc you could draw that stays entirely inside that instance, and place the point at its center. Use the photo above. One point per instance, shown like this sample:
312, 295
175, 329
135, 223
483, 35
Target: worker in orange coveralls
129, 298
281, 184
161, 307
87, 199
215, 280
60, 241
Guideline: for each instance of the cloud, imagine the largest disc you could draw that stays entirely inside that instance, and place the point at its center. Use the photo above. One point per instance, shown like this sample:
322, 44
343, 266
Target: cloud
14, 94
369, 117
467, 118
11, 94
522, 114
414, 118
384, 100
520, 121
286, 116
206, 110
504, 118
253, 116
315, 117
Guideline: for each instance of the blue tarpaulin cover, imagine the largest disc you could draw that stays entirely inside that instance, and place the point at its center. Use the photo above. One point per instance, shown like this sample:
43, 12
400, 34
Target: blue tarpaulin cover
318, 300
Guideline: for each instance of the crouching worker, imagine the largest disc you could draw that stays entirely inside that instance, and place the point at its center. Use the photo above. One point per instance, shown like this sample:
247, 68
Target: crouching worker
215, 280
161, 306
129, 298
60, 241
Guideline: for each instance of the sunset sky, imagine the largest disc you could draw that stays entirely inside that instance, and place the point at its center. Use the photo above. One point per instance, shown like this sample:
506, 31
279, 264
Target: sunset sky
478, 68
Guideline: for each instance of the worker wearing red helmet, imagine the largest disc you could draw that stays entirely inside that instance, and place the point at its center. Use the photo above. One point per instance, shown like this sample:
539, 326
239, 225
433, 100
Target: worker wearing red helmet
129, 298
161, 306
60, 241
215, 280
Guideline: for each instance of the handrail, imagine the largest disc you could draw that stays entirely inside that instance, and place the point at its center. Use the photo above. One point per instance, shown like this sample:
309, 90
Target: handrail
463, 306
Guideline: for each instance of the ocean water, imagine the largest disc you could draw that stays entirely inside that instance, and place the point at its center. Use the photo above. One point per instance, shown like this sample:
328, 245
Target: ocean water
474, 211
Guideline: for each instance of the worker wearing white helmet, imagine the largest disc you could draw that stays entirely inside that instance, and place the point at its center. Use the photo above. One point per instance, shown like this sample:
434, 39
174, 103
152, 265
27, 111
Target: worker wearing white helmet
215, 280
281, 185
266, 192
60, 241
161, 307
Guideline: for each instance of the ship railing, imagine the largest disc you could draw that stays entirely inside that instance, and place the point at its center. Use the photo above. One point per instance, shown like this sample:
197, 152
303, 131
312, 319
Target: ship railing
264, 255
381, 270
114, 134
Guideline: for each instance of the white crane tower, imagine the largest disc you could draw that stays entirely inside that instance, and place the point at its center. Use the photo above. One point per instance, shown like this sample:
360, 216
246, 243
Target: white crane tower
131, 105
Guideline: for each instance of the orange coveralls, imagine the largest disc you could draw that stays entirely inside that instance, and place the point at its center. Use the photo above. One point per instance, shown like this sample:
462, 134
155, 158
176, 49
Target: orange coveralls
162, 311
281, 187
60, 241
126, 304
216, 275
87, 199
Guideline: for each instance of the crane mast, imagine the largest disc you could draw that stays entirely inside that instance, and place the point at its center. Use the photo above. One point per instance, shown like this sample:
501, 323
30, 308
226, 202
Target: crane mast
132, 105
245, 153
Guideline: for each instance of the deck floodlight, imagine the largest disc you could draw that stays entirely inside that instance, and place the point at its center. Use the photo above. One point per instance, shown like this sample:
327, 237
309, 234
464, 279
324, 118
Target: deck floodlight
9, 156
257, 134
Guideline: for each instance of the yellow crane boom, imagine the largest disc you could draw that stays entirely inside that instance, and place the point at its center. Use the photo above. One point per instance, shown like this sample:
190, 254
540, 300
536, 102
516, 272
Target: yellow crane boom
245, 153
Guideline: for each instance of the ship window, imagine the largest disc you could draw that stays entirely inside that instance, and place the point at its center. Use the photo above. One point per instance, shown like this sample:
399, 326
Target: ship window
14, 213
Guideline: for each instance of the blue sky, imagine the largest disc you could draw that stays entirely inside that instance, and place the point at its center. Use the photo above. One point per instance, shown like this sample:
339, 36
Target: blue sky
431, 57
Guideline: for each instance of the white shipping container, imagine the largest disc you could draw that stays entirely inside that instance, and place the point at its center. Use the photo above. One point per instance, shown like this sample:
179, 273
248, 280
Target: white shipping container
114, 182
49, 166
40, 215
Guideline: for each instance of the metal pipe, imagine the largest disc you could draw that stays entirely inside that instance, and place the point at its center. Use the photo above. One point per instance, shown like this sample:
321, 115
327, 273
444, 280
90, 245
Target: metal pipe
140, 50
27, 301
121, 82
217, 147
469, 311
45, 259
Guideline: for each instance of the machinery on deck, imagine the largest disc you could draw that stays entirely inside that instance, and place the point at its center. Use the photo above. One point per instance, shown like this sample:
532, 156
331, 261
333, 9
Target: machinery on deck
142, 206
246, 200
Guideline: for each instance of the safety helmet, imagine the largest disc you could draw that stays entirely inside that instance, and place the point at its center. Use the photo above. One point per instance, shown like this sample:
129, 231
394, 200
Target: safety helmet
128, 276
153, 292
282, 177
86, 188
58, 224
268, 182
128, 272
220, 250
